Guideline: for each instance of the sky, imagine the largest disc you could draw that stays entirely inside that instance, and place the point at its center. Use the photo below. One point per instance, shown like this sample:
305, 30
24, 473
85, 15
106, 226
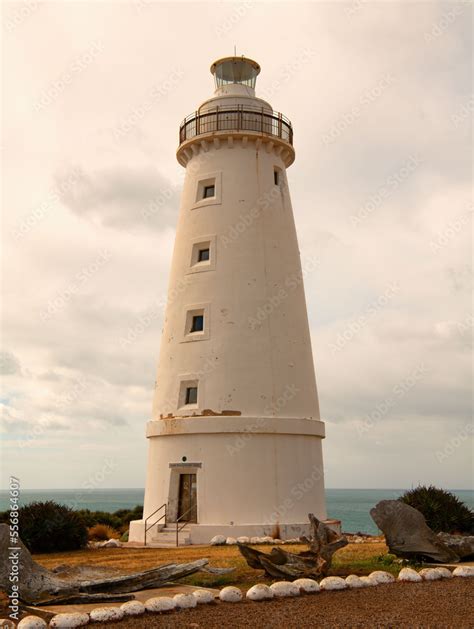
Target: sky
380, 97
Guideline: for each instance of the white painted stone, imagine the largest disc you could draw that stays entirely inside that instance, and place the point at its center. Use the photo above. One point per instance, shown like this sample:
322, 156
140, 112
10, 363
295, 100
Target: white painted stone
354, 581
231, 541
368, 581
333, 583
308, 586
282, 589
69, 621
380, 577
259, 592
255, 540
160, 604
218, 540
267, 539
185, 601
203, 596
230, 594
106, 614
110, 543
444, 572
31, 622
429, 574
408, 574
464, 571
245, 297
243, 539
133, 608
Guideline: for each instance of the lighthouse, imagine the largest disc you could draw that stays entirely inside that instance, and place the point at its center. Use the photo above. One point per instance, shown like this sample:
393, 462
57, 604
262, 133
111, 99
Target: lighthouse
235, 438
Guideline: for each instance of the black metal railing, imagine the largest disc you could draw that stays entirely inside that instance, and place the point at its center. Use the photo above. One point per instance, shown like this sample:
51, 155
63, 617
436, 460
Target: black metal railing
236, 118
180, 519
147, 528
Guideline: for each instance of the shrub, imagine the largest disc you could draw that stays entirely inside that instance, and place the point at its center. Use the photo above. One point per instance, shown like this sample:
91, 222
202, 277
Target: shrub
48, 527
443, 510
102, 532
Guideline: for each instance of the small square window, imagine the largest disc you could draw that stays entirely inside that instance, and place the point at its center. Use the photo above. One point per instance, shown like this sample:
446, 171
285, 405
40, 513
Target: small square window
198, 323
276, 177
203, 255
191, 395
209, 191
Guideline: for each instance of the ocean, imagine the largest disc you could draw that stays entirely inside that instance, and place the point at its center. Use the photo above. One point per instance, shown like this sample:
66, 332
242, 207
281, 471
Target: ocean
352, 506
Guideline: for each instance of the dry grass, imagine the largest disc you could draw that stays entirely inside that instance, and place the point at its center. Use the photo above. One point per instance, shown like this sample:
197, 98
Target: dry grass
354, 558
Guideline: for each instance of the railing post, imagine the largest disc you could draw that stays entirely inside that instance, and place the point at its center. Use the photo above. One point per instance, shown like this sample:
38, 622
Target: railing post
197, 122
217, 118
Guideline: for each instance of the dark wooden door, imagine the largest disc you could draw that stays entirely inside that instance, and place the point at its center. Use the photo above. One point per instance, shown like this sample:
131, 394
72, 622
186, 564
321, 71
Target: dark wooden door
187, 499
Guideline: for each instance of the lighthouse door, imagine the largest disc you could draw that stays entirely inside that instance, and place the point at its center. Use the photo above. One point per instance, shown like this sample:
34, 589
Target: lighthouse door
187, 498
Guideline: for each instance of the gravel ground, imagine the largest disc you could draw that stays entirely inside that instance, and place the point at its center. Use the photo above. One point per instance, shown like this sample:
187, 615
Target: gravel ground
437, 605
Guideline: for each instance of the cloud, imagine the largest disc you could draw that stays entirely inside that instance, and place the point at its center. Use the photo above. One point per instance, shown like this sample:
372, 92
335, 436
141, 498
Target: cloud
121, 198
9, 363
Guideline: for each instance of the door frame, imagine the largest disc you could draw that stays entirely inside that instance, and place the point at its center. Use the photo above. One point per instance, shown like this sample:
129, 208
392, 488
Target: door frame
176, 469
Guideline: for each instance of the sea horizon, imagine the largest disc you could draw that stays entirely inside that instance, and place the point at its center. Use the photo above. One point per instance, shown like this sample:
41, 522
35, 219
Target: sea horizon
350, 505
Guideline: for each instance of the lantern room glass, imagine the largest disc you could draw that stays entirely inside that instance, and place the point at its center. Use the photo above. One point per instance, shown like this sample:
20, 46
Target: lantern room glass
235, 71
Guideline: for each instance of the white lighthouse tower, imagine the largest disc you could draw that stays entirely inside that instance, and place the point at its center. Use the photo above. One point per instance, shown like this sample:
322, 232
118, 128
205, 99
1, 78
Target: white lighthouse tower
235, 437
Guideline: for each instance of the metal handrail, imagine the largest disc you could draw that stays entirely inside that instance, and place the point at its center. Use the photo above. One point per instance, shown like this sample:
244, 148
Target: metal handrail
236, 118
180, 528
163, 506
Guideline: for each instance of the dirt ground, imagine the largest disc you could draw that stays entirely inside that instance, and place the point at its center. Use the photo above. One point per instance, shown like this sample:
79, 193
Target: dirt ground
429, 605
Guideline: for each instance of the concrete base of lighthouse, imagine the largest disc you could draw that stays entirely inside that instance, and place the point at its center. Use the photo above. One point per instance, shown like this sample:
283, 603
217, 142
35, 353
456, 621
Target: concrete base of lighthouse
254, 476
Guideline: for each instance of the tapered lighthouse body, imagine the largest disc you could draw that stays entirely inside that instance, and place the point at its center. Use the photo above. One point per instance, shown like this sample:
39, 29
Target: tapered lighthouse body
235, 436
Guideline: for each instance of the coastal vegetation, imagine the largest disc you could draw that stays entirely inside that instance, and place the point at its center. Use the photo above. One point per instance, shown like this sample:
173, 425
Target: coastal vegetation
443, 511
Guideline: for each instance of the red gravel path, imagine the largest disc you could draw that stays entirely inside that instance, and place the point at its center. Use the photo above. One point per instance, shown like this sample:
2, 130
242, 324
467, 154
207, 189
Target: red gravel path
435, 605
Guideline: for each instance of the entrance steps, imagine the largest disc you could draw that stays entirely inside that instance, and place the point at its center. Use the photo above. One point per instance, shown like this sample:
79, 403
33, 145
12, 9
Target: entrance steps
166, 537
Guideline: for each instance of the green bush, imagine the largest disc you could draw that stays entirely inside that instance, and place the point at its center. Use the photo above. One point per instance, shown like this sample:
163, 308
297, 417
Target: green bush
48, 527
443, 510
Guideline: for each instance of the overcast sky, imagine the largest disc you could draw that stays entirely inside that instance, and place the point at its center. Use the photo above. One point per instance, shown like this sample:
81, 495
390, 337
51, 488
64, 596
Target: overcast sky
380, 96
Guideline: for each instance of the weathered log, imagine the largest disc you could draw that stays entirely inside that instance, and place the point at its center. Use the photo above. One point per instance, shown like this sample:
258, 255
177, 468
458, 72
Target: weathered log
37, 584
312, 563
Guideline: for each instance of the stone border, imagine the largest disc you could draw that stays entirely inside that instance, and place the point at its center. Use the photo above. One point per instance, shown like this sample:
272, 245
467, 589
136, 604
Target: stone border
233, 594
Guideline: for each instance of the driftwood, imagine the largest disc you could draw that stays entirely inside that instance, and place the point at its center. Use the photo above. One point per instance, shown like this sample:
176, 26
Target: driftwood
315, 562
39, 586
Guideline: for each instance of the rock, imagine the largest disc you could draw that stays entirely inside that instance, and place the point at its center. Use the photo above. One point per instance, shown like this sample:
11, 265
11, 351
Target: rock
282, 589
408, 574
133, 608
31, 622
230, 594
429, 574
110, 543
243, 540
380, 576
267, 540
231, 541
185, 601
308, 586
6, 623
203, 596
106, 614
160, 604
462, 545
407, 534
464, 571
68, 621
444, 572
353, 581
368, 581
259, 592
333, 583
255, 540
218, 540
